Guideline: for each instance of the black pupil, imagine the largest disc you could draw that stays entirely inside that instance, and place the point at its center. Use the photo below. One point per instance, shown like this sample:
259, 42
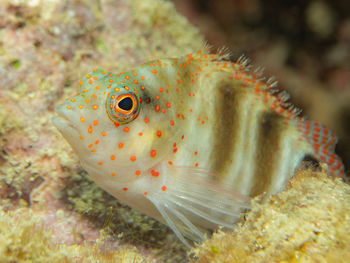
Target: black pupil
125, 104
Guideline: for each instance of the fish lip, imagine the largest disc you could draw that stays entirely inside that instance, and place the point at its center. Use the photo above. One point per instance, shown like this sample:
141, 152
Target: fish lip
62, 117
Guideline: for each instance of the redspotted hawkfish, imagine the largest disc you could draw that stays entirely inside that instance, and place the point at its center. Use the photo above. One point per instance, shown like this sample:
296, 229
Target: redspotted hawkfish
190, 140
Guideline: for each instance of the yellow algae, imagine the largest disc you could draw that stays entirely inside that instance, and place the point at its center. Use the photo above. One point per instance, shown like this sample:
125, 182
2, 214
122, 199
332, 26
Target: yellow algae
308, 222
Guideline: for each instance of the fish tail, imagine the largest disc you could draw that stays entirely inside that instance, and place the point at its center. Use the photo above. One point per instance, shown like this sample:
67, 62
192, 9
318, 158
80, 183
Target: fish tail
323, 142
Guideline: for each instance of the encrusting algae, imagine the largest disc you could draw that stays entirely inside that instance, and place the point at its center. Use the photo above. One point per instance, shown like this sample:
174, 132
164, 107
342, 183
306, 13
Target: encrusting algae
308, 222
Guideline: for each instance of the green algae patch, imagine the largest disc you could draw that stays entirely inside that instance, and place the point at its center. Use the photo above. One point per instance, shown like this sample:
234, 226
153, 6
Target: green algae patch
308, 222
118, 221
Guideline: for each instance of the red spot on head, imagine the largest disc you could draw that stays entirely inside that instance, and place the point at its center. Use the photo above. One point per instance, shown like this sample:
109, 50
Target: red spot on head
154, 173
153, 153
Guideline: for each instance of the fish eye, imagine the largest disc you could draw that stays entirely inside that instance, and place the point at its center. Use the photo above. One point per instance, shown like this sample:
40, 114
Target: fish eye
122, 108
126, 104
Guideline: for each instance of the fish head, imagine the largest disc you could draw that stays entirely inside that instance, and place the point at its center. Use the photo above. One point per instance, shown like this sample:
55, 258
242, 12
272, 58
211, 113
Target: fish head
113, 127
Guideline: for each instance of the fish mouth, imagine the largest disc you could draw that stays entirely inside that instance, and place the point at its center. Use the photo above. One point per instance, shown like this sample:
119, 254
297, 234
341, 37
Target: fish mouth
65, 124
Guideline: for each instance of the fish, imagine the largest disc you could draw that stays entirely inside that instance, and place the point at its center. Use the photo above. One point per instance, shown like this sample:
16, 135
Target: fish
191, 140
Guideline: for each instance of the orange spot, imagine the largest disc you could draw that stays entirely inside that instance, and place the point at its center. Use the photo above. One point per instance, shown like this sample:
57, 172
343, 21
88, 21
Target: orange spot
196, 164
81, 137
137, 172
113, 174
90, 129
178, 81
126, 87
93, 150
125, 189
80, 106
133, 158
146, 120
120, 145
69, 107
97, 141
154, 173
145, 193
127, 77
72, 100
103, 133
142, 77
170, 163
81, 83
154, 71
110, 80
157, 97
82, 119
168, 105
95, 107
195, 153
172, 122
153, 153
97, 87
95, 122
88, 76
143, 87
140, 133
159, 133
126, 129
160, 89
99, 163
116, 124
163, 188
157, 108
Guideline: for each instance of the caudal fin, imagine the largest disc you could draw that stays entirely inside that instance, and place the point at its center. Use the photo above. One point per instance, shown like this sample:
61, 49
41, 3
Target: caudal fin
323, 141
